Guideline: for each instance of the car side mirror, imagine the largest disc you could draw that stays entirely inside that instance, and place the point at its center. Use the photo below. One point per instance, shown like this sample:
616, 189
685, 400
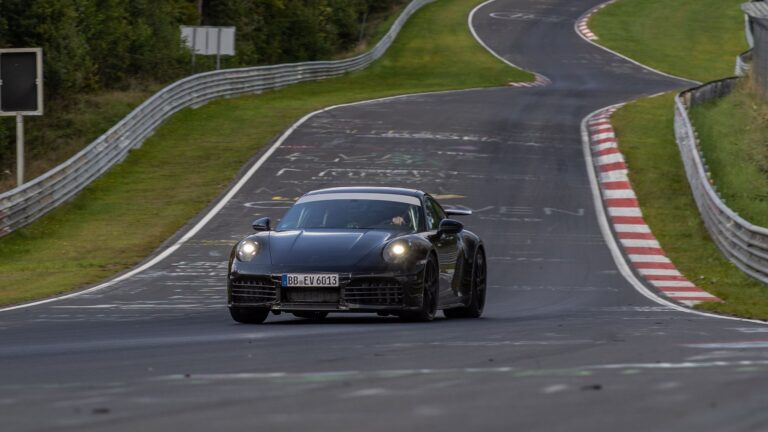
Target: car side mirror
450, 226
261, 224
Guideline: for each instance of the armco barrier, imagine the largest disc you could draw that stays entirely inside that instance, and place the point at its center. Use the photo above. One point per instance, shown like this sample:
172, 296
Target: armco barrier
745, 244
743, 63
24, 204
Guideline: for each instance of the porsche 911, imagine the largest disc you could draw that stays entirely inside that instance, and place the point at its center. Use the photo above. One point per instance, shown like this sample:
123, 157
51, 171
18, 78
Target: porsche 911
388, 251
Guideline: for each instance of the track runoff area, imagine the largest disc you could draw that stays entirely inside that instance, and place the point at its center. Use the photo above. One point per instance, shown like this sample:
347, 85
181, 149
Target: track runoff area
569, 340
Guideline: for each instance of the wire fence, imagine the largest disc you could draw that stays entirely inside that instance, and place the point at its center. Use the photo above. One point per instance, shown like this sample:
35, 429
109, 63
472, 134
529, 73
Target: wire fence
745, 244
24, 204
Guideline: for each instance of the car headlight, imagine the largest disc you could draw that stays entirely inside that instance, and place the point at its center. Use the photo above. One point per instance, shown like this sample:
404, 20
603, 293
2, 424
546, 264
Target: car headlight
247, 249
396, 251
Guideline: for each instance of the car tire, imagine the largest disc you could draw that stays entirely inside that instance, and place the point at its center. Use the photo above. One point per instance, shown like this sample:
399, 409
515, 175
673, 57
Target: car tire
431, 290
248, 315
312, 316
473, 309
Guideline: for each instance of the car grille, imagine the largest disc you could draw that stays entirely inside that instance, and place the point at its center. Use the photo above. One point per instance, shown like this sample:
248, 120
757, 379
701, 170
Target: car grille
374, 291
253, 290
311, 295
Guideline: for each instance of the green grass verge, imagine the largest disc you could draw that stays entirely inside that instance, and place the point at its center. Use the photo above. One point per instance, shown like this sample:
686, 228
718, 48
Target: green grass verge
126, 214
646, 136
733, 132
66, 128
697, 39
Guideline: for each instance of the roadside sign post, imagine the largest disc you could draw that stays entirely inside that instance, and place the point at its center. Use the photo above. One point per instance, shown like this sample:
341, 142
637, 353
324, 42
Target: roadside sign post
194, 45
218, 48
21, 92
208, 40
19, 149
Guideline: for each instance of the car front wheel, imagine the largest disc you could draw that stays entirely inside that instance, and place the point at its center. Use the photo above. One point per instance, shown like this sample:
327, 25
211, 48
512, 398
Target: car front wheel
431, 288
248, 315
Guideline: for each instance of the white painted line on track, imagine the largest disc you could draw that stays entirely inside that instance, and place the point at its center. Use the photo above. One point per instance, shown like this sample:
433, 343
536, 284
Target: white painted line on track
683, 365
402, 373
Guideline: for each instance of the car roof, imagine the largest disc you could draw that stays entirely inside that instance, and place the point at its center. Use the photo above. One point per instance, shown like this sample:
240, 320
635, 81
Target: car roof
366, 189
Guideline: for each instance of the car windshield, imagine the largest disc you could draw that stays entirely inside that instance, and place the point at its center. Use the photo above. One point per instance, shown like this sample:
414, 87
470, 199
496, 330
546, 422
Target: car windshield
352, 214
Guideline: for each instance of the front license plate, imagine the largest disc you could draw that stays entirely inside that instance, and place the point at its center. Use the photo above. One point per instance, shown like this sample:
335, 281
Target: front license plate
310, 280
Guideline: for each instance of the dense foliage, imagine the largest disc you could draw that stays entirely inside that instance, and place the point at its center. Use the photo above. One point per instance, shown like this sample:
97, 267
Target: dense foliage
94, 45
276, 31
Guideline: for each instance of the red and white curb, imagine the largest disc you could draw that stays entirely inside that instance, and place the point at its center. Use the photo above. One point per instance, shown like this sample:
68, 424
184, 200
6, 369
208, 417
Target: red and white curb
644, 252
582, 25
540, 81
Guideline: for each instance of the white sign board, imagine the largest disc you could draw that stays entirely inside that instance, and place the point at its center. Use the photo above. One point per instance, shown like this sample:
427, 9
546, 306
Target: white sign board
206, 40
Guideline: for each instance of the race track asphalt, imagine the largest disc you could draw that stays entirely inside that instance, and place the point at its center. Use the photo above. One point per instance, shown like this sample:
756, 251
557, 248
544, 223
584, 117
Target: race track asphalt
566, 344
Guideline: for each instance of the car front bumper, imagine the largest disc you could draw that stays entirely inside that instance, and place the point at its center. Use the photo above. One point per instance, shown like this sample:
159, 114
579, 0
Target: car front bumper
378, 292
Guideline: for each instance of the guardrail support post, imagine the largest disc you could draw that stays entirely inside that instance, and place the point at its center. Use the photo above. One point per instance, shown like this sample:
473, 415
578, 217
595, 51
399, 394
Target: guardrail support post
19, 149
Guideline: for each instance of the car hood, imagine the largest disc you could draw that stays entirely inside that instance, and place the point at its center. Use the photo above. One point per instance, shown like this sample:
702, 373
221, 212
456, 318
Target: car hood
326, 248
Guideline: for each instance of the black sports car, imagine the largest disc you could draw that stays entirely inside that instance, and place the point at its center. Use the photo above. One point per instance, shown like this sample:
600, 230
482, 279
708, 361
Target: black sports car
382, 250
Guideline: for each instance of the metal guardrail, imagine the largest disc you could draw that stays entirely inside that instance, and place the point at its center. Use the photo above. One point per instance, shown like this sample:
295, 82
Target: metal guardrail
744, 60
745, 244
756, 32
24, 204
743, 63
748, 31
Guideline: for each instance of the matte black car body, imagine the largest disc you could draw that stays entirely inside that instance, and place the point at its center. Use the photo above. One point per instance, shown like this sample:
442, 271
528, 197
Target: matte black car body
368, 283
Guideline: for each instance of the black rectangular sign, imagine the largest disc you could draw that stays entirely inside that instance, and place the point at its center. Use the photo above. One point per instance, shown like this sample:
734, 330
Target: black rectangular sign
19, 87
